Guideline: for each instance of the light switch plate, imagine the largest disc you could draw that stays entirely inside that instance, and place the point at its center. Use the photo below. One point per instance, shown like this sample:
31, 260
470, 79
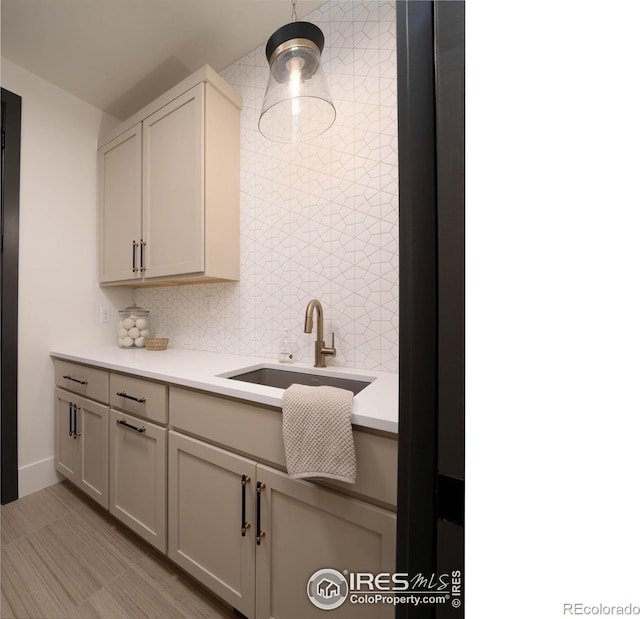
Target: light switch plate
105, 314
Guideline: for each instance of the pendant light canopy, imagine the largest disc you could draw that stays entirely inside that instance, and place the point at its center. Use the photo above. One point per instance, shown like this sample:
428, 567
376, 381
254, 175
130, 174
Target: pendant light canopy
297, 105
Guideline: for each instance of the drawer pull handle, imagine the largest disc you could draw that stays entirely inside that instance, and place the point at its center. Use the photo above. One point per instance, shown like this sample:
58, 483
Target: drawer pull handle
70, 416
245, 525
260, 533
123, 422
143, 244
75, 422
76, 380
124, 394
134, 268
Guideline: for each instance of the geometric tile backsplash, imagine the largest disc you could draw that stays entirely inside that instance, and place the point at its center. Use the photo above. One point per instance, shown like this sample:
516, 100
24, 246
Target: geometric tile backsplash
318, 220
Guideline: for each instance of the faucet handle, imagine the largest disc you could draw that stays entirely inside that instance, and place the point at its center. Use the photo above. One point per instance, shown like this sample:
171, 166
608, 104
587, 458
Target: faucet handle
331, 351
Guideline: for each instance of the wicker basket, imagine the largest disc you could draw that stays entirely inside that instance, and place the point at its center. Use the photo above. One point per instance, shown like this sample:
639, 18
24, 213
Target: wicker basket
156, 343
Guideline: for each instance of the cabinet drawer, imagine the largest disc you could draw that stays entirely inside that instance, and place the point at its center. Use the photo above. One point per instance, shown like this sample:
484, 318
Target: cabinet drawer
138, 396
89, 382
238, 425
257, 431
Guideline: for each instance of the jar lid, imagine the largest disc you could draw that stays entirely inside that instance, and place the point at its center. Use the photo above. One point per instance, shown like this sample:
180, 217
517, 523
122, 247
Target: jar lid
133, 309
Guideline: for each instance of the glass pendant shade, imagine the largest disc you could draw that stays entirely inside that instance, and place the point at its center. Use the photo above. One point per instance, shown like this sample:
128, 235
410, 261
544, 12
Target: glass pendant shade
297, 106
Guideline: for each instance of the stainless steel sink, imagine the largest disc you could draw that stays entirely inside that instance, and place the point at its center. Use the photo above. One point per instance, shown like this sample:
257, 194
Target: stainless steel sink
283, 379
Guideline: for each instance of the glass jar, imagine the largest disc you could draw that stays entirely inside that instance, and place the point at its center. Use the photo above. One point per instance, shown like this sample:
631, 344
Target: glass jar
134, 327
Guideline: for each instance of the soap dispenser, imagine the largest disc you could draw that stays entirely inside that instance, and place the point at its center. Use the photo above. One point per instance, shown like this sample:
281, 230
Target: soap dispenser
284, 352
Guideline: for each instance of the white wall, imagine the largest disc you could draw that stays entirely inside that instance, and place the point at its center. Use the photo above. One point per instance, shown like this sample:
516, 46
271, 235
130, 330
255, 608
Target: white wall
316, 221
59, 297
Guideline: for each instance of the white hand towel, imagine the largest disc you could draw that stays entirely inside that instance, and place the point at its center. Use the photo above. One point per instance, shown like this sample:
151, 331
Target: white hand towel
316, 428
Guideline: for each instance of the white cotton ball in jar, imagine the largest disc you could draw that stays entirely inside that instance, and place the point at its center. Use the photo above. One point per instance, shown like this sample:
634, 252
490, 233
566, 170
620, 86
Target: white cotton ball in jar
127, 341
139, 342
134, 333
122, 333
145, 333
121, 342
127, 323
141, 323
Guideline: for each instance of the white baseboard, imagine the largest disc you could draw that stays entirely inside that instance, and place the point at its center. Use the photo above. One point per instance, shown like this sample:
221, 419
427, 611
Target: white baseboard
36, 476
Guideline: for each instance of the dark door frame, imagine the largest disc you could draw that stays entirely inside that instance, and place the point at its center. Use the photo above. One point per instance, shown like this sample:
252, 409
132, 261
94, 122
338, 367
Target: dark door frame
418, 348
431, 218
11, 123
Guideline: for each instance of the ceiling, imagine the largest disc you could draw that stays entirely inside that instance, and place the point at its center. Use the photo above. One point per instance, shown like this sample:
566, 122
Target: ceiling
120, 55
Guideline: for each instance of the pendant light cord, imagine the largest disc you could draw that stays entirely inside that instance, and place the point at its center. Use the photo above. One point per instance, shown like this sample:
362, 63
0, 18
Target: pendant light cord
294, 15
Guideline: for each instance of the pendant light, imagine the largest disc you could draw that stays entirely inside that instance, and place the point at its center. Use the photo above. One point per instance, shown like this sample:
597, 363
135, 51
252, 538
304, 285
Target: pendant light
297, 105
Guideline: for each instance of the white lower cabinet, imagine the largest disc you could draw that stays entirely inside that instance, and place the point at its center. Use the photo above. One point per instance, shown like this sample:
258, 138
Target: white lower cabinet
206, 518
82, 445
137, 463
244, 529
308, 528
302, 528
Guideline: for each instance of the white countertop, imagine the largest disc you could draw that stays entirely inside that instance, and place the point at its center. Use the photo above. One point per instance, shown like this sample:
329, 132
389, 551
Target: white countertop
375, 407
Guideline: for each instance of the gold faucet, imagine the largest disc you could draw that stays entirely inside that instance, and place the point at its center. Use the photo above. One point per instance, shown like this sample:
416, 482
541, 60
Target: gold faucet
321, 351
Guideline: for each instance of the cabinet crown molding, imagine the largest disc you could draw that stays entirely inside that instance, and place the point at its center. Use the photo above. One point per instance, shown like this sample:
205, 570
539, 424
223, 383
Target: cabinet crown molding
203, 74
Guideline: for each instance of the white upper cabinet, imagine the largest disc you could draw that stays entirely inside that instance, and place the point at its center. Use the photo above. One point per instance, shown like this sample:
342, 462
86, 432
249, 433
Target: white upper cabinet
170, 188
120, 165
173, 190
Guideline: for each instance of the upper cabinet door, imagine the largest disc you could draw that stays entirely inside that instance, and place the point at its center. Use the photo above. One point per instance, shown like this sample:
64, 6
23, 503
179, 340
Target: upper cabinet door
173, 187
120, 170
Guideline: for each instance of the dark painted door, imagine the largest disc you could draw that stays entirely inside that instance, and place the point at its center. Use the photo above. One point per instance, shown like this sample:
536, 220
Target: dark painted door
11, 121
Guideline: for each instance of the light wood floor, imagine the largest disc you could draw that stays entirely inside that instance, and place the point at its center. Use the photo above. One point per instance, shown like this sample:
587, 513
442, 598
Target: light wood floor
65, 557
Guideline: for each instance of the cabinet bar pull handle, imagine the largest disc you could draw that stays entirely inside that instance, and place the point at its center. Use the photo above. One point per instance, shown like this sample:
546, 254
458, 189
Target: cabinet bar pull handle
260, 533
75, 422
143, 244
70, 413
134, 268
245, 525
123, 422
76, 380
124, 394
